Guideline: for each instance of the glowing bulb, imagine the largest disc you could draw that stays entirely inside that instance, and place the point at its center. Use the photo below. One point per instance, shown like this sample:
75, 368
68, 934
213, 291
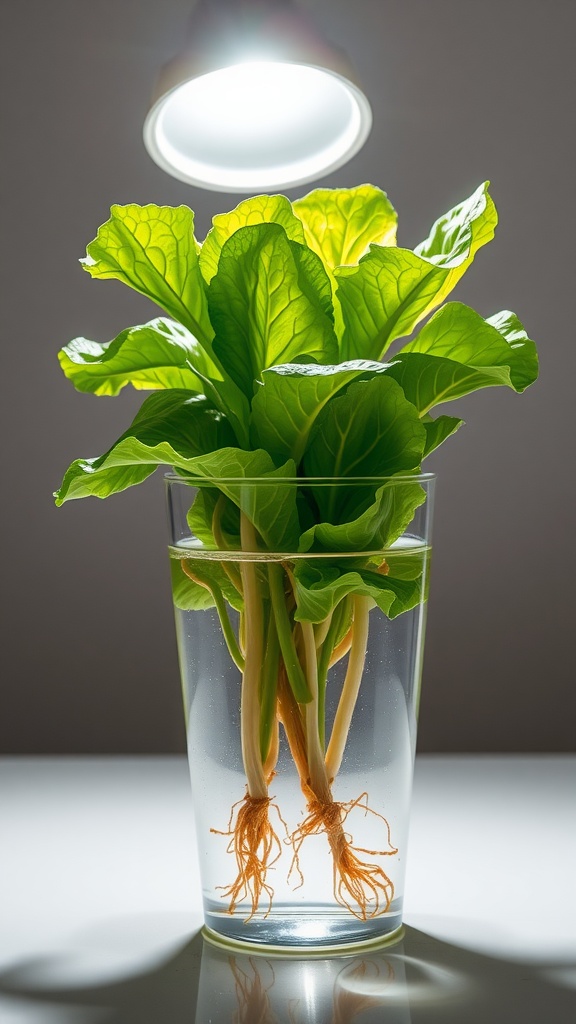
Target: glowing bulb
257, 125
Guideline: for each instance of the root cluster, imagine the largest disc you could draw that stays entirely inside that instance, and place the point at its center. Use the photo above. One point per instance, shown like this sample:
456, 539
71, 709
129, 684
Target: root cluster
256, 847
361, 887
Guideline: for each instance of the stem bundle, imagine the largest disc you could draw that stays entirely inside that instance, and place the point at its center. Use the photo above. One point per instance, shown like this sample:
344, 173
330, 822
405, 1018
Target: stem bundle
285, 669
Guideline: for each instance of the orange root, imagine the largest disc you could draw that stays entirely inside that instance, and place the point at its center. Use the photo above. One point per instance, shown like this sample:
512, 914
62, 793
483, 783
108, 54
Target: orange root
256, 847
361, 887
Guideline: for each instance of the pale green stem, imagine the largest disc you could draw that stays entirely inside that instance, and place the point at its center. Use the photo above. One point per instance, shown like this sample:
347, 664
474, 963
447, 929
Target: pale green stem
324, 656
321, 630
228, 632
230, 569
296, 676
351, 686
254, 641
341, 649
268, 687
314, 752
242, 632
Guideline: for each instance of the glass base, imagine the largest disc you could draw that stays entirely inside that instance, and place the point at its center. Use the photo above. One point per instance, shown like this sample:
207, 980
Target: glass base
302, 931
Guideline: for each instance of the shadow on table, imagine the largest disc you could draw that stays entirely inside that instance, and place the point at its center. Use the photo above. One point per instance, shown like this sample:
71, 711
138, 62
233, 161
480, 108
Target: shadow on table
420, 980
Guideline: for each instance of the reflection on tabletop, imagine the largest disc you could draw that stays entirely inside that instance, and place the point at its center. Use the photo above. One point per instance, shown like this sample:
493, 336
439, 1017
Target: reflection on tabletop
419, 979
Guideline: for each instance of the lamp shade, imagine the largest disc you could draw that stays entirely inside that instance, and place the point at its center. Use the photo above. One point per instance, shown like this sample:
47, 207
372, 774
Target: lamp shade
257, 100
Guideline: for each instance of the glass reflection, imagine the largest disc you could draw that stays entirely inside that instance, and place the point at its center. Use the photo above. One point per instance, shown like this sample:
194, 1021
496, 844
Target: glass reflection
257, 989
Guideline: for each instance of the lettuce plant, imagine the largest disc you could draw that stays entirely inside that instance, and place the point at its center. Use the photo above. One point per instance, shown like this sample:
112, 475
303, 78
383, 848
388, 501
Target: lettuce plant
271, 371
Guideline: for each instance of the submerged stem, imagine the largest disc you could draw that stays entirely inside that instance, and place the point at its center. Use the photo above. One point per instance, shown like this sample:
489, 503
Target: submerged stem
361, 886
322, 629
227, 631
253, 840
314, 751
324, 662
296, 676
351, 686
341, 649
290, 715
268, 686
273, 751
250, 703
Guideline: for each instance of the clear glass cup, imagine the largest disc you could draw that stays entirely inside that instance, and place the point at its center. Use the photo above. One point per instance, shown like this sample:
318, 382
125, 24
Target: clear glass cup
301, 675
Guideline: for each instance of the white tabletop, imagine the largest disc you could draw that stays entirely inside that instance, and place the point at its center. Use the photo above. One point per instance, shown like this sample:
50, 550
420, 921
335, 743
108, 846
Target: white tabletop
100, 904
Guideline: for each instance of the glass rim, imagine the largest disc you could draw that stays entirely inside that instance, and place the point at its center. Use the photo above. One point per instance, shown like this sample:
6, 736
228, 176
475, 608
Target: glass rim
200, 554
302, 481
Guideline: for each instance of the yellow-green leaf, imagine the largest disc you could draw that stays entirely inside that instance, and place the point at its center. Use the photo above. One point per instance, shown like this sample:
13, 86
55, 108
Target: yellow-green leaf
257, 210
267, 305
392, 289
341, 223
153, 250
157, 355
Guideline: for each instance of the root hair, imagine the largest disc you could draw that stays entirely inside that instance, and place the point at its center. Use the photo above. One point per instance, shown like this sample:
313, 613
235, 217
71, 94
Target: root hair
256, 847
361, 887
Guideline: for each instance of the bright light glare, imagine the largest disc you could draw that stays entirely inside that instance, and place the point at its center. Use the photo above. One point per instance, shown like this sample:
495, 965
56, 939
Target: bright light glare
258, 125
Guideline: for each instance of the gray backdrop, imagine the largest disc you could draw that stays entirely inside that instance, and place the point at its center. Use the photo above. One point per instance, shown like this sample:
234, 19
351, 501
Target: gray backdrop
461, 91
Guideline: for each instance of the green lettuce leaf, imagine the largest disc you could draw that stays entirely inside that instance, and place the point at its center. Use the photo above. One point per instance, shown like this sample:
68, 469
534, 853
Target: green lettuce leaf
265, 305
257, 210
264, 493
153, 250
201, 514
191, 596
457, 352
199, 446
457, 332
369, 528
408, 563
438, 430
523, 359
458, 234
341, 223
84, 478
193, 429
160, 354
370, 431
315, 285
319, 588
229, 400
291, 397
187, 595
392, 289
428, 381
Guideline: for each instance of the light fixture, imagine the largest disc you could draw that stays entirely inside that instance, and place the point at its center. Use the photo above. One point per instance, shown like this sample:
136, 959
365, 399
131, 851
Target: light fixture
257, 100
